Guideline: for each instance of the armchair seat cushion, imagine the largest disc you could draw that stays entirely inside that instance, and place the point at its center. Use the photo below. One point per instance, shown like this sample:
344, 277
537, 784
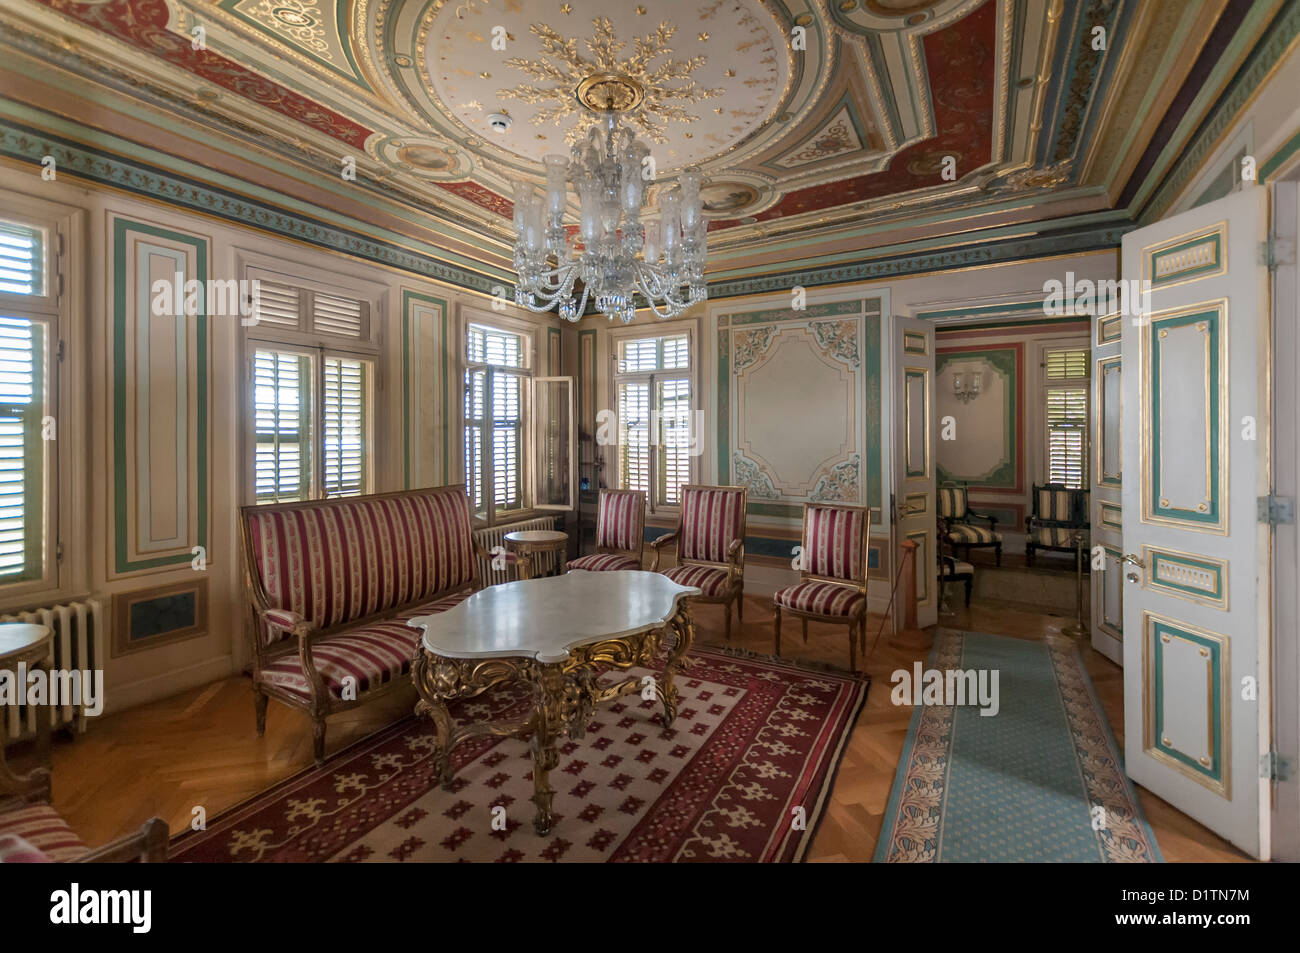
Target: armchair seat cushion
41, 828
820, 598
15, 850
711, 582
371, 655
1057, 536
964, 533
604, 562
956, 568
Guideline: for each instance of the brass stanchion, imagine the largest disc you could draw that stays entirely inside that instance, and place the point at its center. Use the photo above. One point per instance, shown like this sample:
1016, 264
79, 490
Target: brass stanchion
1077, 629
912, 636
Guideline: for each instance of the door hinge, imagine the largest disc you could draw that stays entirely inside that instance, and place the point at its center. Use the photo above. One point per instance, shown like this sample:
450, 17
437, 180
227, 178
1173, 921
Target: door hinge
60, 354
1274, 767
1275, 510
58, 552
1278, 251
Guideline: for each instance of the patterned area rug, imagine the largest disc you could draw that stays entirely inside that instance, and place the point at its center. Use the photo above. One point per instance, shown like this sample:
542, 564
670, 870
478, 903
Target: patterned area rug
1042, 780
742, 775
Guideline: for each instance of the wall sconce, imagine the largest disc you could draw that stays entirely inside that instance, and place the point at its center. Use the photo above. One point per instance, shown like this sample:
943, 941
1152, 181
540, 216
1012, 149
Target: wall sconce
966, 387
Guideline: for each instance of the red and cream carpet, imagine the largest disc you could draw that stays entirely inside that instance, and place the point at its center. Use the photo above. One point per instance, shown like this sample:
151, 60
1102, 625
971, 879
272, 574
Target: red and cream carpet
742, 775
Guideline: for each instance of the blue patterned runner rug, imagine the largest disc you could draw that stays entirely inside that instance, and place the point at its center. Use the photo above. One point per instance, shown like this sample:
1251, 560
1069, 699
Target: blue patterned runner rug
1038, 778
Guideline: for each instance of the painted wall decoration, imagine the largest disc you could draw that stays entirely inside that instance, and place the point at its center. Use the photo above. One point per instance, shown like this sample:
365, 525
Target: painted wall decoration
988, 446
158, 616
799, 405
426, 378
160, 373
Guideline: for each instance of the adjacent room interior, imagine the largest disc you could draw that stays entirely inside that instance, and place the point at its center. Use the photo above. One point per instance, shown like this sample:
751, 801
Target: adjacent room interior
703, 430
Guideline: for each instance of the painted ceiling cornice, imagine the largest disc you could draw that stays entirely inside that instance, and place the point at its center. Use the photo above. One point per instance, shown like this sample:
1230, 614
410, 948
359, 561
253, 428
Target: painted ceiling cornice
841, 145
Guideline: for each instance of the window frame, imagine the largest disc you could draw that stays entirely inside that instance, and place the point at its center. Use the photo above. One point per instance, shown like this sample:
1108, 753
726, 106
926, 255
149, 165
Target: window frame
618, 336
489, 516
56, 310
1084, 384
319, 346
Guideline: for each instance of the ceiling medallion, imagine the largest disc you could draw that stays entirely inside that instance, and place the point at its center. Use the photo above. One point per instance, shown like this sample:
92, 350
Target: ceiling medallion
622, 257
647, 93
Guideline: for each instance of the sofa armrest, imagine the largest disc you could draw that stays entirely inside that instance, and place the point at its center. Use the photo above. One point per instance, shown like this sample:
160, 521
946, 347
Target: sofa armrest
658, 544
148, 845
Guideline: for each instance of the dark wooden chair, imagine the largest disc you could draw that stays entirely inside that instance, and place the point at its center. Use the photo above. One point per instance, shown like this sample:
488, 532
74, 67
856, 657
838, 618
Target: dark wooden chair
952, 569
955, 516
1059, 512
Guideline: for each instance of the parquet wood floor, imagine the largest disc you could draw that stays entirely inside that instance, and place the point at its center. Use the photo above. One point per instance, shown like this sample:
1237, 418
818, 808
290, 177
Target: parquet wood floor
199, 748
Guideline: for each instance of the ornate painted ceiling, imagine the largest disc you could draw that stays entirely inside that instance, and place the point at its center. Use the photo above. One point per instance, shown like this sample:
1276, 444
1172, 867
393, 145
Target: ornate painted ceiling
839, 125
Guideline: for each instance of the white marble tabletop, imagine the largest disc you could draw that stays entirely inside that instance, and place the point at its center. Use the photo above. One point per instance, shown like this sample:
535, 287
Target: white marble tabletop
544, 618
537, 536
17, 638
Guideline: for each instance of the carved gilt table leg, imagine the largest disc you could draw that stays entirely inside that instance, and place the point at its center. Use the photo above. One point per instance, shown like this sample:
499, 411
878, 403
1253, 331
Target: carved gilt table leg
683, 628
546, 725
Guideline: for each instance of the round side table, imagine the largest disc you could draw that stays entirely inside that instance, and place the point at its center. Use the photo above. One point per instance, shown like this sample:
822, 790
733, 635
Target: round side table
23, 643
526, 544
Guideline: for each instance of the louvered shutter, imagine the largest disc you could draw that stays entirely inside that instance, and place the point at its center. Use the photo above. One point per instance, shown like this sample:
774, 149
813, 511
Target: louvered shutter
22, 266
507, 435
1067, 364
345, 425
344, 317
1067, 422
634, 435
22, 477
282, 413
673, 401
279, 307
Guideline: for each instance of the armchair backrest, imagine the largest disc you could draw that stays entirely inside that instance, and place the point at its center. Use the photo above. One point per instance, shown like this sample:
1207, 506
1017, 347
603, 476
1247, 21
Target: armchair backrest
1057, 504
712, 518
835, 543
951, 502
620, 521
334, 561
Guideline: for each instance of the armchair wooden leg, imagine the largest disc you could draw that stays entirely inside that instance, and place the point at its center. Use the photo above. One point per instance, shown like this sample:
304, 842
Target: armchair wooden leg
853, 649
318, 738
740, 605
776, 632
1029, 554
862, 632
999, 552
259, 707
726, 620
969, 582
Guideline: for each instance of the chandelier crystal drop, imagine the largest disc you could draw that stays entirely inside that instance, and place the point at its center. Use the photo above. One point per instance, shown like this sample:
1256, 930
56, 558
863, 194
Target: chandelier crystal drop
661, 257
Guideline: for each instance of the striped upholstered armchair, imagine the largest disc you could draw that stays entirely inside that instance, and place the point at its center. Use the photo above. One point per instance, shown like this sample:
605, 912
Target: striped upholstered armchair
1059, 513
620, 533
832, 584
955, 517
710, 546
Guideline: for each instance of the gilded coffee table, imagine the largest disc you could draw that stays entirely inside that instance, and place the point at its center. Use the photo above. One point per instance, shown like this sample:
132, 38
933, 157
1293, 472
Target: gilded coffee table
556, 635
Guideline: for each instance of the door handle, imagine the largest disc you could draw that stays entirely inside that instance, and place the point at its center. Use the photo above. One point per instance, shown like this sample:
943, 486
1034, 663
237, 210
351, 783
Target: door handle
1134, 560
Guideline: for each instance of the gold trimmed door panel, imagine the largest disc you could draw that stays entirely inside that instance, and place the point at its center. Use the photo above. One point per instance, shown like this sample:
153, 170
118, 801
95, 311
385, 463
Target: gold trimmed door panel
913, 457
1194, 559
1107, 470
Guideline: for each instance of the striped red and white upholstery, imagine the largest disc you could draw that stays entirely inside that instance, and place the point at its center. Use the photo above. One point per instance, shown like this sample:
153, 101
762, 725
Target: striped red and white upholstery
371, 655
15, 850
40, 828
711, 520
711, 582
338, 561
832, 542
604, 562
620, 520
819, 598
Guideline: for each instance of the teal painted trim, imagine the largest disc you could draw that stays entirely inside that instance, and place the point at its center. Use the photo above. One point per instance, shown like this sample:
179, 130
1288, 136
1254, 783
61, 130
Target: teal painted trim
114, 171
1010, 307
872, 333
1216, 569
1273, 45
1214, 265
1279, 158
724, 405
1214, 647
120, 228
995, 325
1213, 513
1107, 236
407, 298
772, 315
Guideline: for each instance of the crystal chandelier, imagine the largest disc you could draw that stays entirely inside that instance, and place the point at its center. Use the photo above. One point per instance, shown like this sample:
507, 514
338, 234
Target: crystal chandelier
661, 258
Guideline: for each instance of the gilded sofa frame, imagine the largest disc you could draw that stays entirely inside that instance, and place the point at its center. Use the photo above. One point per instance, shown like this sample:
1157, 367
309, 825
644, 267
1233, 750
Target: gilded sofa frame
857, 622
734, 564
321, 703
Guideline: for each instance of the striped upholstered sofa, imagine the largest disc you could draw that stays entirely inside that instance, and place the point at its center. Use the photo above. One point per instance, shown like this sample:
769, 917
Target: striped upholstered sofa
332, 584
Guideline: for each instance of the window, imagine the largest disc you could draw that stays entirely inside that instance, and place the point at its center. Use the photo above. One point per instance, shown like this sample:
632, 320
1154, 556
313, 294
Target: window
496, 379
652, 385
28, 326
1066, 402
313, 372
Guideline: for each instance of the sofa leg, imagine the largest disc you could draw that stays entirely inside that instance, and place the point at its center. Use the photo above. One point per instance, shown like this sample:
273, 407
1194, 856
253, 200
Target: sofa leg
259, 707
999, 552
853, 649
804, 623
726, 621
740, 606
318, 738
776, 633
969, 582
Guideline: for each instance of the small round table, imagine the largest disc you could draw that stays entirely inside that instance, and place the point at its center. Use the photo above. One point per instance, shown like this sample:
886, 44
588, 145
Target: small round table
23, 644
527, 543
